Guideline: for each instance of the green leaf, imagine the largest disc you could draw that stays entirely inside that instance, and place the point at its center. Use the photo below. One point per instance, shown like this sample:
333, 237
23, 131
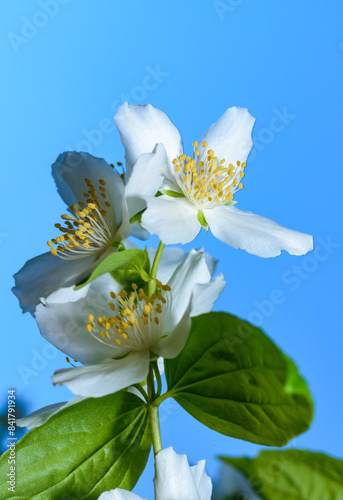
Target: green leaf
134, 259
231, 377
292, 475
90, 447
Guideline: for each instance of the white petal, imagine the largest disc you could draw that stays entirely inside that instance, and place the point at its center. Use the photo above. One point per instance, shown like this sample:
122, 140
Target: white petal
255, 234
210, 260
171, 258
145, 179
108, 377
44, 274
192, 271
202, 480
64, 326
39, 417
141, 128
205, 295
138, 231
230, 138
231, 481
69, 172
119, 494
65, 294
174, 220
171, 346
174, 479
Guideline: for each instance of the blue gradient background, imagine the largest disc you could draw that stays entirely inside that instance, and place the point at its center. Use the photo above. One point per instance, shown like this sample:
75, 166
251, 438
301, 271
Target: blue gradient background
272, 57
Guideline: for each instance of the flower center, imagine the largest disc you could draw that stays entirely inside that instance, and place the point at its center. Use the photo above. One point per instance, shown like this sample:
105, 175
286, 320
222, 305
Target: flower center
88, 231
205, 180
136, 319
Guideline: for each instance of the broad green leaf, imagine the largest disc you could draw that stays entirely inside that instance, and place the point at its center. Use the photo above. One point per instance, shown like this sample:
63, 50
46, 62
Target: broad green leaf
90, 447
134, 259
231, 377
292, 475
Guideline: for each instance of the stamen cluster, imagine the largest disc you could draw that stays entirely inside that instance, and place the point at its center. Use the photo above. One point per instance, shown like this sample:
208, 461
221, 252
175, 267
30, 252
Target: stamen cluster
206, 182
135, 319
86, 230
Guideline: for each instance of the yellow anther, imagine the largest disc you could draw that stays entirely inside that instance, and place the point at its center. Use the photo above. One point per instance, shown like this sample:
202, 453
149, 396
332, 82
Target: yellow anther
117, 341
186, 178
238, 163
195, 144
102, 182
241, 174
175, 161
204, 144
240, 185
89, 327
222, 161
113, 295
146, 309
53, 251
134, 286
210, 153
229, 197
124, 324
49, 243
90, 317
244, 165
156, 320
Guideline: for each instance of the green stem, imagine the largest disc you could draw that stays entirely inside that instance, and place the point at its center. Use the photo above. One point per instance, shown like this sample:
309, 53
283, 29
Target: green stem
153, 414
142, 391
153, 272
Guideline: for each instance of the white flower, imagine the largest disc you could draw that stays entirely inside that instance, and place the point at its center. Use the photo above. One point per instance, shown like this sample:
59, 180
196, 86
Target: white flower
174, 480
199, 189
101, 205
113, 333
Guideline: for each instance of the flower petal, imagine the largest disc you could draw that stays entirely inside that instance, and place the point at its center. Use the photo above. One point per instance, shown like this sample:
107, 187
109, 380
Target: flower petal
192, 271
64, 326
174, 479
230, 137
141, 128
39, 417
119, 494
69, 172
170, 346
171, 258
138, 231
210, 260
205, 295
202, 480
174, 220
255, 234
104, 378
44, 274
145, 179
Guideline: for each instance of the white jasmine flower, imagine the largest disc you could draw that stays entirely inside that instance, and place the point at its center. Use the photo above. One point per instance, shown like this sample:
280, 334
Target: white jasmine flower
101, 203
175, 479
114, 334
199, 189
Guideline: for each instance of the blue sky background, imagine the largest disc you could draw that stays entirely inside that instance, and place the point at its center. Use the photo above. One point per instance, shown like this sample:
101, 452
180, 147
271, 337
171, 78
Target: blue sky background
60, 86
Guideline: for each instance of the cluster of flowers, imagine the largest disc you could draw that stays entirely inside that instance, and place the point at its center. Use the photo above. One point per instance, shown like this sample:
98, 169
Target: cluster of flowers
112, 331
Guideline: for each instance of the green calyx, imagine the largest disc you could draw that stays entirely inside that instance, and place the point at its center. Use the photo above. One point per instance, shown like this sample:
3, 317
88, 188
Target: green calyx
202, 220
